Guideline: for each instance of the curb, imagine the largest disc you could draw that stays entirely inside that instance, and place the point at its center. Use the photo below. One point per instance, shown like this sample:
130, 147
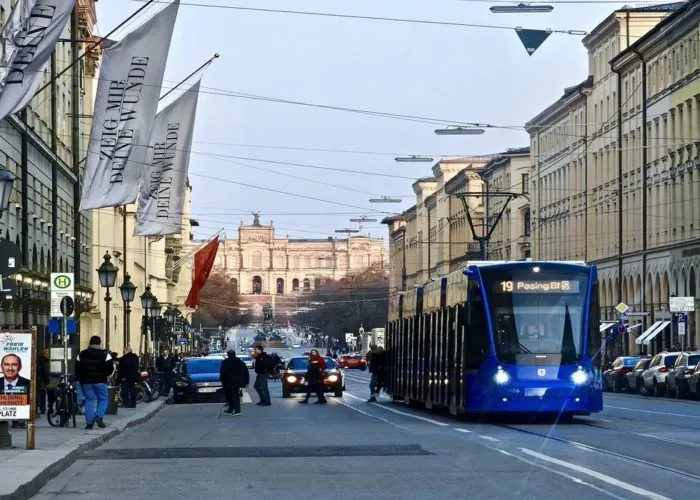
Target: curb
32, 487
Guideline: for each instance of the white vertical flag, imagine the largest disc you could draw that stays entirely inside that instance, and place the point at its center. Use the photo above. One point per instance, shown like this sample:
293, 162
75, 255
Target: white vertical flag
33, 30
125, 108
162, 197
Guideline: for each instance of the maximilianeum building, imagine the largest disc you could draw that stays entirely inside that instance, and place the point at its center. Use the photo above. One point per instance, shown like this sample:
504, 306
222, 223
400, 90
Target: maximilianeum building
616, 168
43, 147
261, 263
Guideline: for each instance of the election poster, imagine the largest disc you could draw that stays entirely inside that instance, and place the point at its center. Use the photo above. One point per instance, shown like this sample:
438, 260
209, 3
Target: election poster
15, 375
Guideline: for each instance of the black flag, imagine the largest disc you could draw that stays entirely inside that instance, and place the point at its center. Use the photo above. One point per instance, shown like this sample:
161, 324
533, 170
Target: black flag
532, 39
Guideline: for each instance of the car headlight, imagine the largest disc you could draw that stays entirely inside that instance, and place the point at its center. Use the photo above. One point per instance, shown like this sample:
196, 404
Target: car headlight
579, 377
333, 378
501, 377
180, 383
291, 379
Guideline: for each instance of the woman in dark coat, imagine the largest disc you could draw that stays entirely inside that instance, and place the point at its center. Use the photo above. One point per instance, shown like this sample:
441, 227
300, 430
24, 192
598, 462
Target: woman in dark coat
314, 378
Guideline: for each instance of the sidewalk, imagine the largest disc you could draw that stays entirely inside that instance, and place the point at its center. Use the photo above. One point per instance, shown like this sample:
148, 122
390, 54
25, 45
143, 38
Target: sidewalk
24, 472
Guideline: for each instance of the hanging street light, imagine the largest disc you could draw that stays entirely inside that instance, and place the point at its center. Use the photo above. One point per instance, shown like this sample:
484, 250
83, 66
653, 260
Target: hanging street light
107, 274
348, 231
385, 199
521, 8
413, 159
460, 131
363, 219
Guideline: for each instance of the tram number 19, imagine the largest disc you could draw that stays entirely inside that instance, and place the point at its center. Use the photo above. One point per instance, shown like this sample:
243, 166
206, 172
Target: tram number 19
506, 286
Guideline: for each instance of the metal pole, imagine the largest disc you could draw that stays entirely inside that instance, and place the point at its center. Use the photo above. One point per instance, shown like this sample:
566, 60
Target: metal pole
127, 309
65, 345
108, 299
127, 325
211, 60
155, 338
31, 429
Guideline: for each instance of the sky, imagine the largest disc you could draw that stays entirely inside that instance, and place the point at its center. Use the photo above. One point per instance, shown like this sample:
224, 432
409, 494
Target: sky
244, 146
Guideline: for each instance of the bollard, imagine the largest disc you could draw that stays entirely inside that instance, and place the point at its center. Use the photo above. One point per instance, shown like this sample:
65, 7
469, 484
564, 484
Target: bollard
111, 400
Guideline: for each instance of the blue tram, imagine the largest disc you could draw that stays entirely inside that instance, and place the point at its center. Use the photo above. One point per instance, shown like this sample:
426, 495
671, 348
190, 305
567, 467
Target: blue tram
499, 337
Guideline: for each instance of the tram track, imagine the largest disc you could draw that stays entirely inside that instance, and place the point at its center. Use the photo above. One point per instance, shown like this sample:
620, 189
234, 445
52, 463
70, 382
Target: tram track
576, 444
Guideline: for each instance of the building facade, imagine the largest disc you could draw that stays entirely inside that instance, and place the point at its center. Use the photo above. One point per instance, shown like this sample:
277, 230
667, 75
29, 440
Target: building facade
43, 147
614, 164
506, 178
433, 238
261, 263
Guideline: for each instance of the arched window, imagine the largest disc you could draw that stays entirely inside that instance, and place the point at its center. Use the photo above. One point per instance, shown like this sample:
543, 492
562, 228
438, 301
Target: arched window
280, 286
307, 284
35, 259
317, 283
257, 285
295, 285
256, 260
234, 283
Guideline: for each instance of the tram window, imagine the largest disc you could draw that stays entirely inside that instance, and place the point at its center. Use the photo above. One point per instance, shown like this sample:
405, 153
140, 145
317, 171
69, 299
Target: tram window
477, 341
594, 340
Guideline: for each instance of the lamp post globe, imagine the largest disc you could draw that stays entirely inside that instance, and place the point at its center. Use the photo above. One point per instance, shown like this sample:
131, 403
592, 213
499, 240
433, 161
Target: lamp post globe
128, 290
107, 272
7, 180
147, 299
156, 309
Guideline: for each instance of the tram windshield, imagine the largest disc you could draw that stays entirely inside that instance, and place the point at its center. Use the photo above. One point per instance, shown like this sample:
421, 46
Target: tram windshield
537, 316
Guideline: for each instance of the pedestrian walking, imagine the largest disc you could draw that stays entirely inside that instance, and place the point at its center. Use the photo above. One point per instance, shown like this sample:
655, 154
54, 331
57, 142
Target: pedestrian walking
234, 377
129, 374
314, 378
264, 365
376, 369
93, 367
165, 364
43, 380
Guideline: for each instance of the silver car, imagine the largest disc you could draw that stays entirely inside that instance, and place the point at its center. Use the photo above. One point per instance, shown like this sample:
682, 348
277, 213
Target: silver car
654, 377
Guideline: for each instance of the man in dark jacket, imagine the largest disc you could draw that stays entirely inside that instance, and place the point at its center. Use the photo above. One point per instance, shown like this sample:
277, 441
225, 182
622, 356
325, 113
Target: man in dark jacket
264, 365
234, 376
129, 375
43, 370
376, 370
93, 367
165, 364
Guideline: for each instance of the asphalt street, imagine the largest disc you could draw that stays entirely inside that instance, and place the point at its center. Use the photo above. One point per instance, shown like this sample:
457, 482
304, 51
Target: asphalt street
636, 448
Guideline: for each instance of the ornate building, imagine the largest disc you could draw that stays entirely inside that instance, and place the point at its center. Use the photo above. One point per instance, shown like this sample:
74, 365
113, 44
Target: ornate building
261, 263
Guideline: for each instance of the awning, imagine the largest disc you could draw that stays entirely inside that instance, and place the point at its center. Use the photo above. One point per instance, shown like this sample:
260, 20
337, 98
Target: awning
605, 325
651, 332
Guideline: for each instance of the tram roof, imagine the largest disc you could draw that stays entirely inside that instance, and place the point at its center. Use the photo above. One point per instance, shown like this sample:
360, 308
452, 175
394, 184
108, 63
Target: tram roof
484, 263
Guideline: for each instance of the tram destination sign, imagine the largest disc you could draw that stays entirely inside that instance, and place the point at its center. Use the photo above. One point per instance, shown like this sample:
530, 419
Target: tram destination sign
537, 286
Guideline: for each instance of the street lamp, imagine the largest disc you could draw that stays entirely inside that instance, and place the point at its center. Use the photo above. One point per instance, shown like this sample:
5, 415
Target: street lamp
521, 8
107, 273
6, 182
460, 131
413, 159
385, 199
347, 231
128, 291
155, 311
363, 219
147, 300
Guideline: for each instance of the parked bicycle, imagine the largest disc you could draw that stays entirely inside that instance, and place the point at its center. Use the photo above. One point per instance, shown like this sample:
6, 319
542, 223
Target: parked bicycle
66, 406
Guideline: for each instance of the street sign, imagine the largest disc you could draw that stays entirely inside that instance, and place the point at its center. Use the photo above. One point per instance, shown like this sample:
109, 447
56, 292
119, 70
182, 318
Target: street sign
681, 304
67, 306
682, 321
645, 313
182, 341
622, 308
62, 285
621, 328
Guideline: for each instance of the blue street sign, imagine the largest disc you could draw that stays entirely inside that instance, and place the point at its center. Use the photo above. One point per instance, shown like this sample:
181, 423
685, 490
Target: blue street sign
71, 326
182, 341
54, 327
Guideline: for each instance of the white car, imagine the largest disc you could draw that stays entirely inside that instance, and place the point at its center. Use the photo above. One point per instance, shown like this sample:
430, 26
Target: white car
248, 360
296, 346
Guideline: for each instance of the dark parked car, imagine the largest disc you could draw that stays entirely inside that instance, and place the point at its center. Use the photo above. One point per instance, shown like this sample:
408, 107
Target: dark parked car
197, 379
614, 378
293, 379
634, 377
678, 378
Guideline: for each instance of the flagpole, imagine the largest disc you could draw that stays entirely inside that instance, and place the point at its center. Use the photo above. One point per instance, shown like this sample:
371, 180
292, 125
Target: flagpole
187, 258
211, 60
93, 46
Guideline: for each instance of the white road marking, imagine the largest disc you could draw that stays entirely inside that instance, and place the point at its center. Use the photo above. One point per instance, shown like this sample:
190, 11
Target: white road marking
654, 412
424, 419
463, 430
370, 415
489, 438
670, 440
601, 477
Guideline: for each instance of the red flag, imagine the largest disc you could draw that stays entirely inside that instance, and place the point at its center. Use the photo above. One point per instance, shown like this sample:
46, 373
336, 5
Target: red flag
203, 262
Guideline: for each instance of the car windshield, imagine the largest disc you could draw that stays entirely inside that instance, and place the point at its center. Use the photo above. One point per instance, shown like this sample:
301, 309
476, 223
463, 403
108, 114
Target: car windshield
303, 363
536, 313
643, 364
669, 361
693, 360
629, 361
203, 365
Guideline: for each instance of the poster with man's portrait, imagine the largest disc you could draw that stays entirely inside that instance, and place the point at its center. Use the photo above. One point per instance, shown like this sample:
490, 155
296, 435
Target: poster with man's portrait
15, 375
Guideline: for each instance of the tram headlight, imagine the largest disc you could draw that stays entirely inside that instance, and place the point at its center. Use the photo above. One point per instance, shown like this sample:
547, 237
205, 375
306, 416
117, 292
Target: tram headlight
579, 377
501, 377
